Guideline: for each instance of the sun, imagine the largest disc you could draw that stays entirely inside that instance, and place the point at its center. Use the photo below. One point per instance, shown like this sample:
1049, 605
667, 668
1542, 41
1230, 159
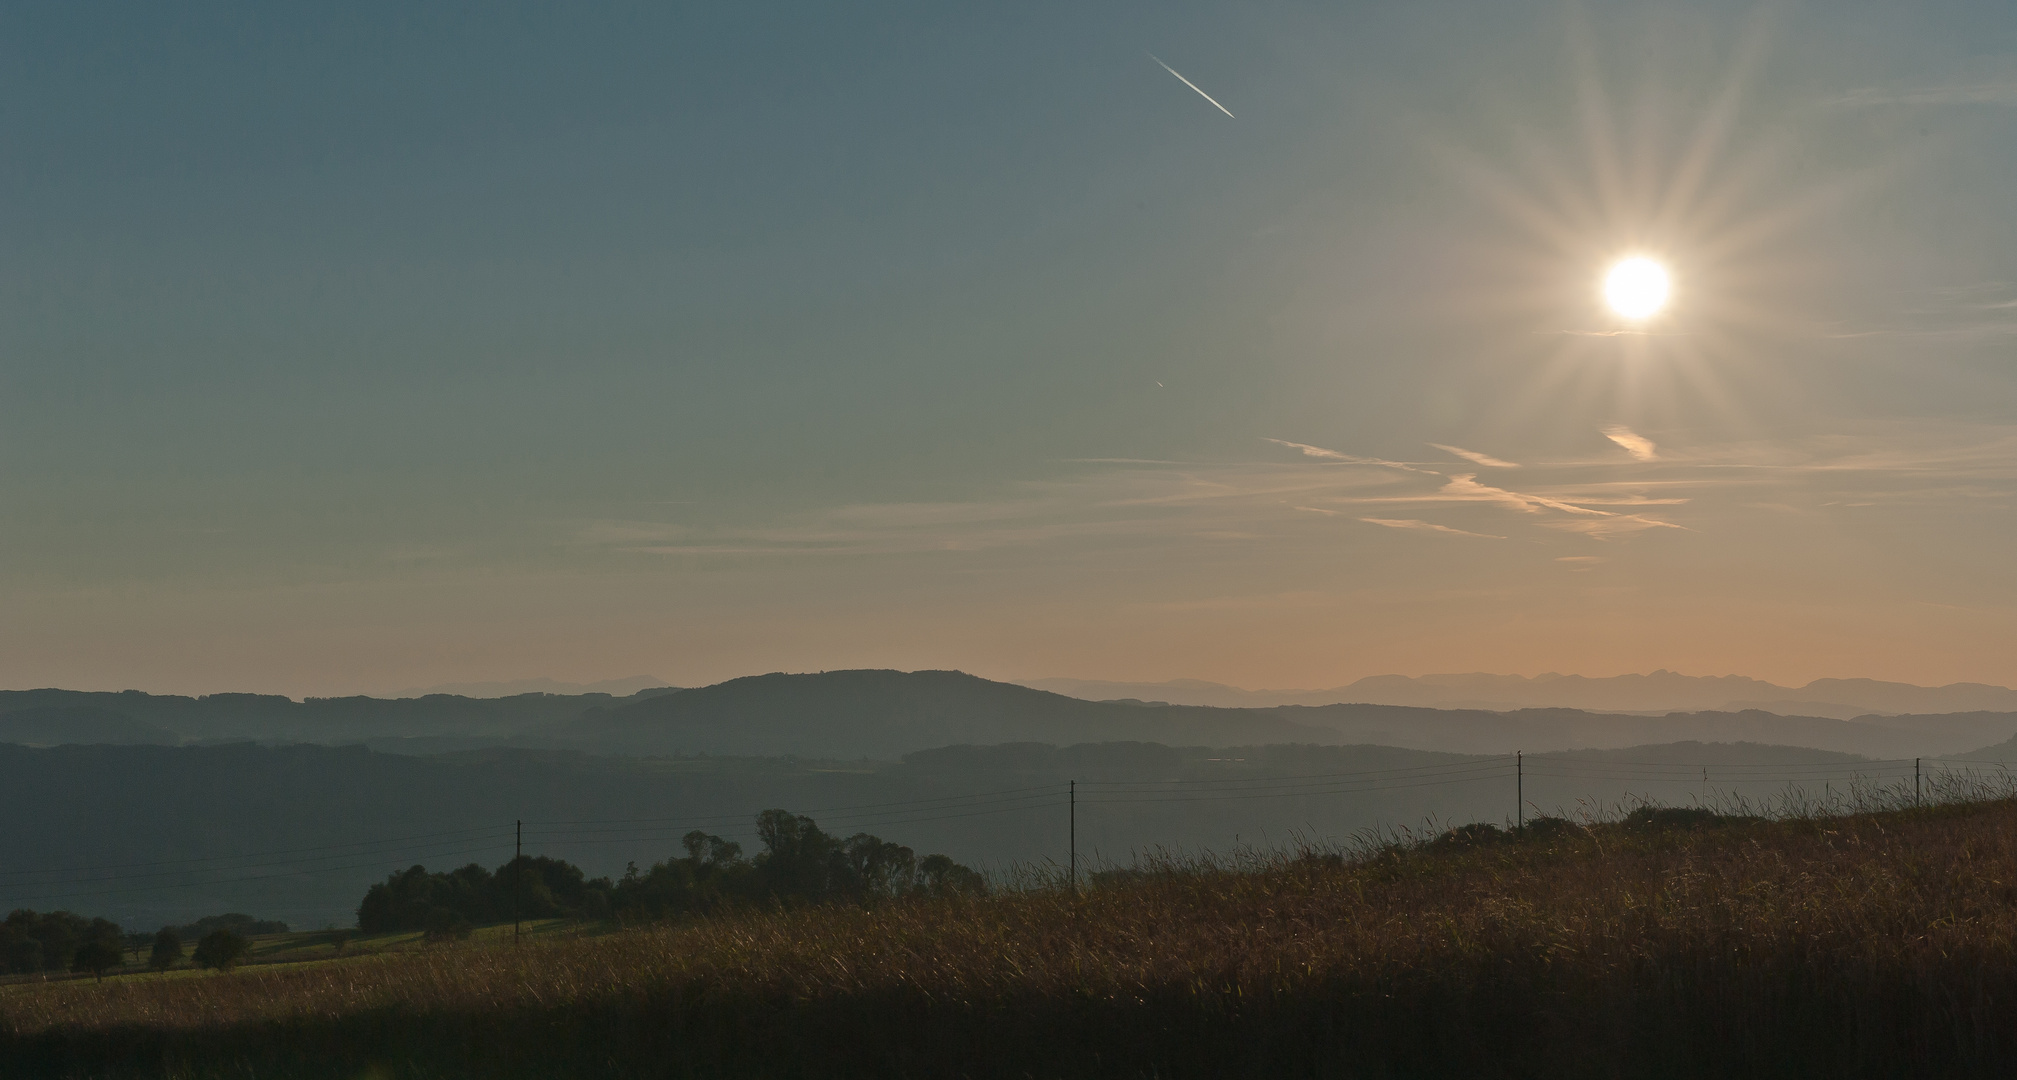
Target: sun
1637, 288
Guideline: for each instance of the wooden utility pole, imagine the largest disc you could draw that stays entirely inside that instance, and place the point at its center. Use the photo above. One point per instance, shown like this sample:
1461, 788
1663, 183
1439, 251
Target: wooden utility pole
517, 875
1519, 793
1073, 794
1915, 781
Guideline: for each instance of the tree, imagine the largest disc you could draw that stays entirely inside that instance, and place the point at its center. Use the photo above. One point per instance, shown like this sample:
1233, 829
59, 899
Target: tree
944, 877
876, 867
798, 859
98, 956
167, 949
219, 949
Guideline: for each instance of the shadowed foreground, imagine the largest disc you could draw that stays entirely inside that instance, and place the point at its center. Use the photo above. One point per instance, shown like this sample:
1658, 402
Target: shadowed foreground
1873, 945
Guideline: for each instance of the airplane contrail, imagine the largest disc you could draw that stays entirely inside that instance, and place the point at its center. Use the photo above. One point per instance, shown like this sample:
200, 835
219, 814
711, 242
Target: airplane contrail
1192, 85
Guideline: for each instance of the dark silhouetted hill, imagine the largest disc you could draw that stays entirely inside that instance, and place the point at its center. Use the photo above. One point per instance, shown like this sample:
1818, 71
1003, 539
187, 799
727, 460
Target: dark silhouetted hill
884, 714
55, 725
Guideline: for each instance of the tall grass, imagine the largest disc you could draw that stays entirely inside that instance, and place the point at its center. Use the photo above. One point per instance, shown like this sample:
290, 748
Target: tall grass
1881, 942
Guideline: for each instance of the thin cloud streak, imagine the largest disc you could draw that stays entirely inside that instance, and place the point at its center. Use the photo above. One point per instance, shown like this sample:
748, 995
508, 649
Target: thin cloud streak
1475, 458
1192, 85
1997, 93
1426, 526
1332, 455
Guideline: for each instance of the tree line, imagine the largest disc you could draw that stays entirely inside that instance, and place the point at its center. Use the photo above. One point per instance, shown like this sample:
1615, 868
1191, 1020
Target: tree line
799, 863
36, 943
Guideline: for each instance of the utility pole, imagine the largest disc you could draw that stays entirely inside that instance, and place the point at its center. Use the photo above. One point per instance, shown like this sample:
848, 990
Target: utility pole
1915, 781
1519, 792
517, 875
1073, 794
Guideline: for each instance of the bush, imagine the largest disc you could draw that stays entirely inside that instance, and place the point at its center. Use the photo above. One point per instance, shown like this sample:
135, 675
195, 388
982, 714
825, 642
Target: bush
1546, 827
1476, 834
220, 950
1663, 818
445, 924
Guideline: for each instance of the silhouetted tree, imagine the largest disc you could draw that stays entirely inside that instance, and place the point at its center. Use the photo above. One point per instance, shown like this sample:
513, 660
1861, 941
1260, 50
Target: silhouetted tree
98, 956
940, 876
219, 949
167, 949
876, 868
798, 860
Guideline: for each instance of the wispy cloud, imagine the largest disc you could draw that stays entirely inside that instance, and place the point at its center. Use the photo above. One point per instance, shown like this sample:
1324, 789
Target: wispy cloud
1464, 487
1640, 447
1348, 459
1426, 526
1987, 93
1475, 458
1313, 451
1138, 506
1966, 312
1611, 525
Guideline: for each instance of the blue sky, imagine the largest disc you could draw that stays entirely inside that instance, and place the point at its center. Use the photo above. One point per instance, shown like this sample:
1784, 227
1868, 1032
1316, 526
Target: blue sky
347, 348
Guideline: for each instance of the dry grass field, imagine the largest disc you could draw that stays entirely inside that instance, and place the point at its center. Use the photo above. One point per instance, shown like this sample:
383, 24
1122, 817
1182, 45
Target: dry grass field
1874, 944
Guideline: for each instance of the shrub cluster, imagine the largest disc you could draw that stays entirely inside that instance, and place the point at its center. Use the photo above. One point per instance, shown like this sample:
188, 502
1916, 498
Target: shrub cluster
799, 863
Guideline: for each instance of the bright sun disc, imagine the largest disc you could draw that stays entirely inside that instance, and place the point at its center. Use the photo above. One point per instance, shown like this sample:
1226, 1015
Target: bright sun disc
1637, 287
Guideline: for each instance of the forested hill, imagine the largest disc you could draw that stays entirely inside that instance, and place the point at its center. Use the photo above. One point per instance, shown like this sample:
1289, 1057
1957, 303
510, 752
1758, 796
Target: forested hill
849, 714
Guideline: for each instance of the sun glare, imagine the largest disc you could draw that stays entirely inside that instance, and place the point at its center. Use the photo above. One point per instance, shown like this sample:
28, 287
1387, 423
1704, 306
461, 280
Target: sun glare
1637, 287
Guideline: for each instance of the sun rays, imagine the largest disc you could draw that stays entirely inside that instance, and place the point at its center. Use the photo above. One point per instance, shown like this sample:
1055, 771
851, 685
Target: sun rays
1675, 190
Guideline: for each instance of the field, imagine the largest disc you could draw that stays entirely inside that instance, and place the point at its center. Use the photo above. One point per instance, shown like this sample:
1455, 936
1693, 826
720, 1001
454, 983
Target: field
1873, 944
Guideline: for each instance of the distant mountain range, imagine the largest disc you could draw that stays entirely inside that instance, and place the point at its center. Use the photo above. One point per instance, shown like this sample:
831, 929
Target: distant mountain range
515, 687
883, 714
1658, 692
849, 715
47, 717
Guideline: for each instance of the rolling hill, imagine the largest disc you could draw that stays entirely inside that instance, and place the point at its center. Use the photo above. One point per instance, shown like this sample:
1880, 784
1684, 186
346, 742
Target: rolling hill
884, 714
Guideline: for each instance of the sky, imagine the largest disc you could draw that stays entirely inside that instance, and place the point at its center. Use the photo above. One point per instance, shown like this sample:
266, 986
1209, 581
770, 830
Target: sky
348, 348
